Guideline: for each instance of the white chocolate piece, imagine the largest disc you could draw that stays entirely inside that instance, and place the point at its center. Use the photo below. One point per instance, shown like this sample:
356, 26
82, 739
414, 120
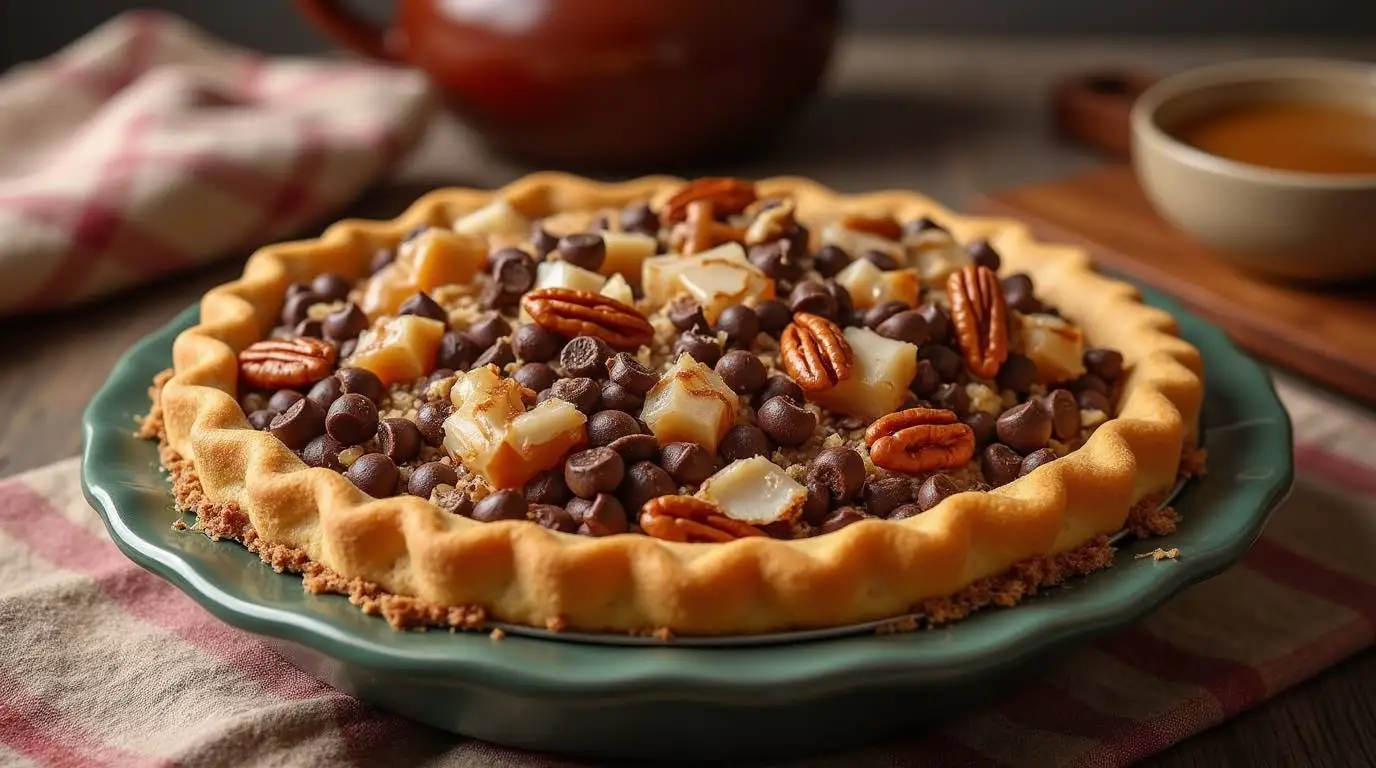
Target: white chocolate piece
690, 403
618, 289
1056, 346
562, 274
868, 285
936, 255
659, 275
399, 348
755, 491
626, 253
855, 242
879, 382
497, 218
984, 398
719, 283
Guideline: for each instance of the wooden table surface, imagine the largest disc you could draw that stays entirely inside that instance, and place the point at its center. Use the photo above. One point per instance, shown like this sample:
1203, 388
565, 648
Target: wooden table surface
951, 118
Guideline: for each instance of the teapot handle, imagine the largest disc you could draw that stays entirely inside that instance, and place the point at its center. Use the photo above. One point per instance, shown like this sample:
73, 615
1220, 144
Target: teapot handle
347, 28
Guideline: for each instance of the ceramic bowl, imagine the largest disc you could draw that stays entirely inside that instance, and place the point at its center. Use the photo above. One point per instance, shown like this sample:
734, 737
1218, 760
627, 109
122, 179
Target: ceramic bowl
1282, 223
655, 700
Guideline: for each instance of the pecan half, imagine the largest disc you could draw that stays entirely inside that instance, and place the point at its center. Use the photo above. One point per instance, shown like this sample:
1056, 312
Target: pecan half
814, 352
727, 197
571, 313
690, 519
980, 314
700, 231
885, 226
920, 440
286, 363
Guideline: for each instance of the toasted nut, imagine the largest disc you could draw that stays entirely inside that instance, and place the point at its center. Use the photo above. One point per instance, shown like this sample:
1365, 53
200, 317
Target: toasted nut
727, 196
980, 315
701, 231
285, 363
815, 353
920, 440
687, 518
885, 226
571, 313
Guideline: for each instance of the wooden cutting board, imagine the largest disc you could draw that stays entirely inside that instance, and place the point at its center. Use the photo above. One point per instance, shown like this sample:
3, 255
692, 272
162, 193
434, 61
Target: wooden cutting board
1328, 335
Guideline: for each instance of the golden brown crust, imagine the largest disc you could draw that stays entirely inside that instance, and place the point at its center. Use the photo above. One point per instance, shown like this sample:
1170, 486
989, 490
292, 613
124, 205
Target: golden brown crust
529, 575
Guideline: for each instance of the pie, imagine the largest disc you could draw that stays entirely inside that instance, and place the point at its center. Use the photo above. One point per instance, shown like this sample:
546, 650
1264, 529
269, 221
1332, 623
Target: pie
708, 407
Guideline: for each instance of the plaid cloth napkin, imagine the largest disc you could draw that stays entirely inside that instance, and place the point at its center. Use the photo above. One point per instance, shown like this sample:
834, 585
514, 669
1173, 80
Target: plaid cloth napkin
147, 147
102, 663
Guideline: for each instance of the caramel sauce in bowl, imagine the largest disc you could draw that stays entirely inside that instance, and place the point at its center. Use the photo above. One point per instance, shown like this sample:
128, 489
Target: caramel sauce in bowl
1271, 162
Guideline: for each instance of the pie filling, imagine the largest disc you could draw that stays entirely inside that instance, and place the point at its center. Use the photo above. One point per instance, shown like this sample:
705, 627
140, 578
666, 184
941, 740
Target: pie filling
701, 369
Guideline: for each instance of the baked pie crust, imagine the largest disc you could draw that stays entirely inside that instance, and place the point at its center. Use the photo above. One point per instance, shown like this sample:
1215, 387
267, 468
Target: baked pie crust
526, 574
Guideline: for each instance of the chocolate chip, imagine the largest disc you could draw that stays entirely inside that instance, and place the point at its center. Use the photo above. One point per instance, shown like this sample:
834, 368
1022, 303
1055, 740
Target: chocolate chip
361, 381
983, 425
918, 226
325, 392
537, 377
817, 503
1018, 373
298, 288
310, 328
1090, 382
502, 505
618, 398
1107, 364
645, 480
687, 463
927, 381
534, 344
323, 451
430, 420
626, 370
905, 511
1065, 413
686, 314
499, 354
295, 307
593, 471
374, 474
635, 448
742, 371
779, 385
585, 356
1095, 401
1024, 427
776, 260
880, 259
421, 305
884, 495
425, 477
513, 271
352, 419
542, 241
400, 440
743, 441
829, 260
582, 392
439, 374
282, 399
984, 255
938, 322
779, 529
639, 218
583, 249
785, 422
553, 517
908, 326
740, 324
455, 502
845, 308
840, 519
798, 238
1018, 294
704, 349
1035, 459
547, 488
934, 490
774, 316
347, 348
331, 286
261, 419
945, 360
489, 330
999, 464
602, 515
840, 470
456, 351
952, 397
877, 314
606, 426
381, 259
812, 297
346, 323
297, 425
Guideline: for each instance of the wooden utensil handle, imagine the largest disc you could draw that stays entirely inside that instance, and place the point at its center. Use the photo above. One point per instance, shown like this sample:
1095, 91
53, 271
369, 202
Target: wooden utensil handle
1093, 108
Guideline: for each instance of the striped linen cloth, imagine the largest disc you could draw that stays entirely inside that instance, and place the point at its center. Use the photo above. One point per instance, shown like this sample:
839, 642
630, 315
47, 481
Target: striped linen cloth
146, 147
102, 663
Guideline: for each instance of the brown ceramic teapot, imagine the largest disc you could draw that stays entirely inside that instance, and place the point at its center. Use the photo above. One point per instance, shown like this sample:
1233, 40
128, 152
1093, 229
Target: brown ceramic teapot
626, 84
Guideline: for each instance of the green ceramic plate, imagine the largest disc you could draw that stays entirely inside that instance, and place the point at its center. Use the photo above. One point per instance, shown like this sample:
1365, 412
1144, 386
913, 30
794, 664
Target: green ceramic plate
660, 701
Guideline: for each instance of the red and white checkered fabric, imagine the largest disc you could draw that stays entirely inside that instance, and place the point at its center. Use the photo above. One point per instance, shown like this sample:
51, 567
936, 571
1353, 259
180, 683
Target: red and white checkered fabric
147, 147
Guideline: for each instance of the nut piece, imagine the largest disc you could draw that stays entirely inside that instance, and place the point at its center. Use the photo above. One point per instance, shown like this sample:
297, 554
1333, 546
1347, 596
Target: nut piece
920, 440
285, 363
701, 231
756, 491
690, 403
1057, 347
980, 316
815, 353
399, 348
727, 196
689, 519
883, 370
572, 313
885, 226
